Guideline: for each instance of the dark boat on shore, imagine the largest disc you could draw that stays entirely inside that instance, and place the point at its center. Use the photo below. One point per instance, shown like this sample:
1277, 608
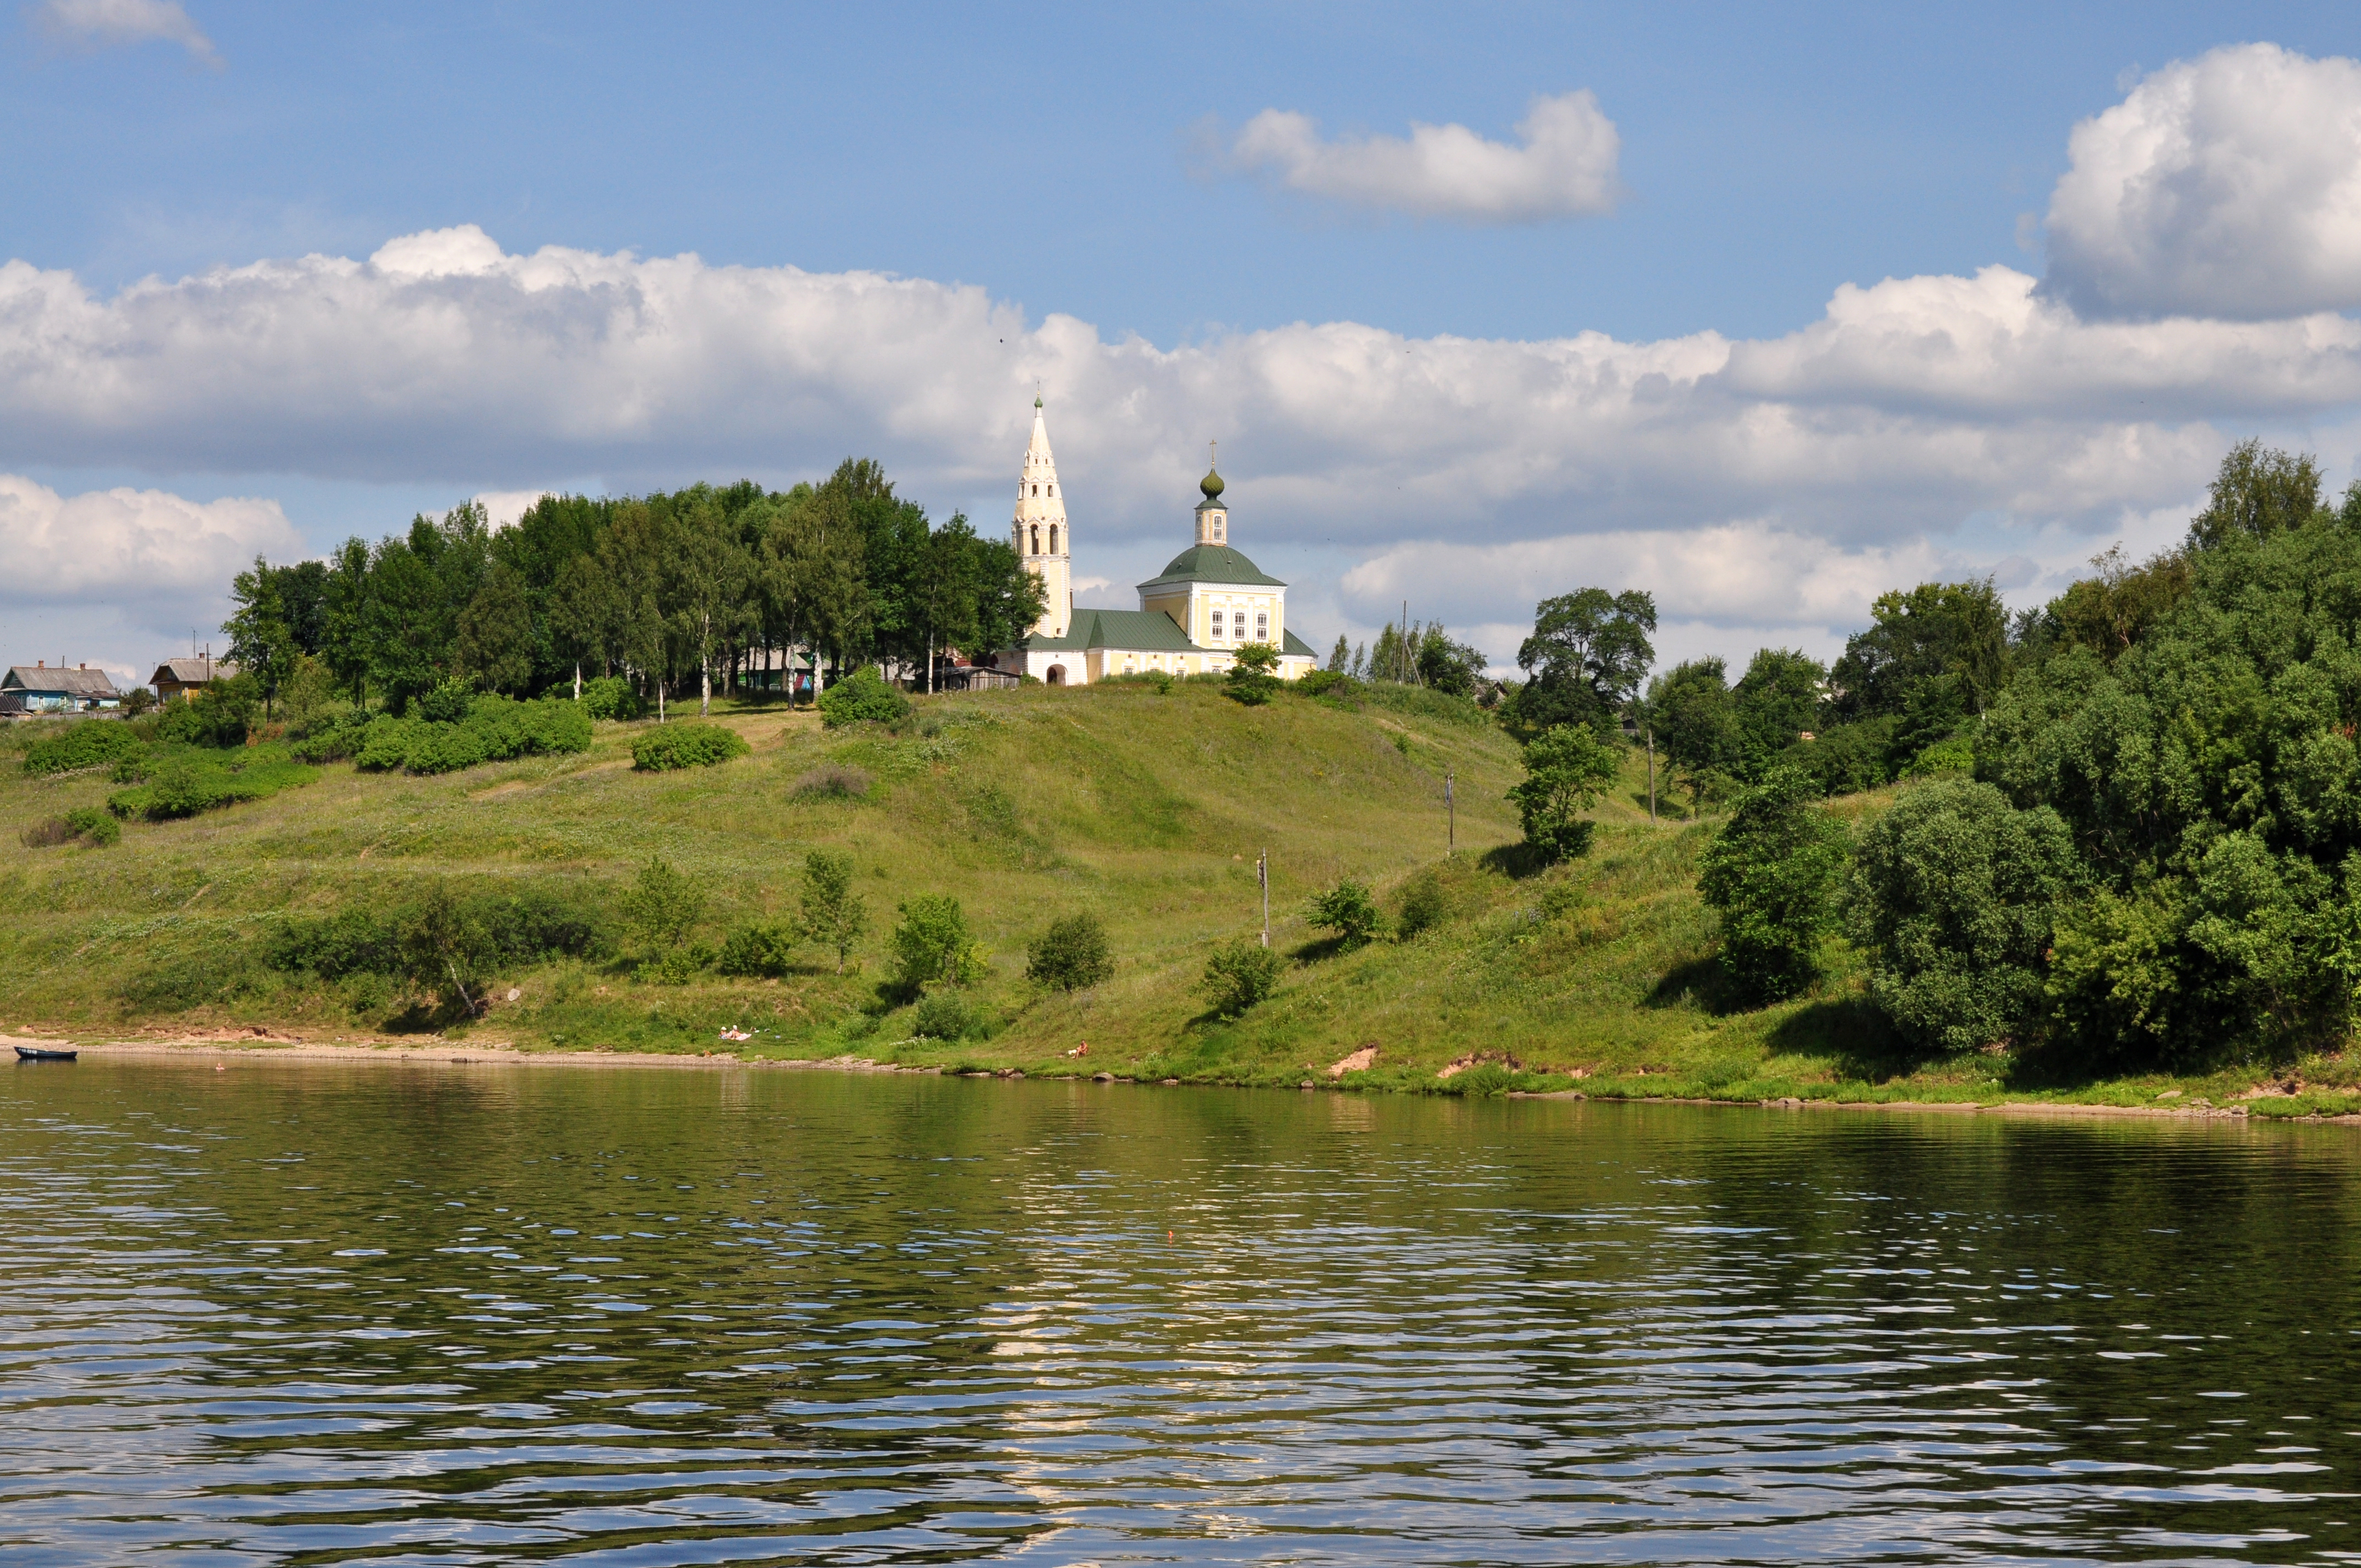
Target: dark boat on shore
34, 1053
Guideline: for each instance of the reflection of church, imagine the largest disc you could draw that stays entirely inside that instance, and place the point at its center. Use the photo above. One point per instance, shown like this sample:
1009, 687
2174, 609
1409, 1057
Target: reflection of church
1193, 617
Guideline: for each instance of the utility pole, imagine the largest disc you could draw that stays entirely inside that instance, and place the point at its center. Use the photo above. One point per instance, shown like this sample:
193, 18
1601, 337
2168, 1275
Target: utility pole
1451, 817
1262, 875
1650, 731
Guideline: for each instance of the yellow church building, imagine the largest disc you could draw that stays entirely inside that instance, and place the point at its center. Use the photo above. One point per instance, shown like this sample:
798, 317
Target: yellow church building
1193, 617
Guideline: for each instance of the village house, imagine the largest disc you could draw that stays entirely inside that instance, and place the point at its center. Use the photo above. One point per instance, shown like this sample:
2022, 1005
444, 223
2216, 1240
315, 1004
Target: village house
187, 678
53, 688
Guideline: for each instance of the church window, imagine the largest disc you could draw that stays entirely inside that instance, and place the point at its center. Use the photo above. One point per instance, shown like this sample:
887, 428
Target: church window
1036, 489
1037, 539
1217, 625
1053, 539
1262, 627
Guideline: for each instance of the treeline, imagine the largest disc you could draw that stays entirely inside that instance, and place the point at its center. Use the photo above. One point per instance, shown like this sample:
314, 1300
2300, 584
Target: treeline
2144, 845
666, 590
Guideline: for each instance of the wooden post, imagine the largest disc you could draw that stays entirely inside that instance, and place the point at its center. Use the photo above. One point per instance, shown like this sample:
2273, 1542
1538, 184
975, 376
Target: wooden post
1262, 875
1451, 817
1650, 731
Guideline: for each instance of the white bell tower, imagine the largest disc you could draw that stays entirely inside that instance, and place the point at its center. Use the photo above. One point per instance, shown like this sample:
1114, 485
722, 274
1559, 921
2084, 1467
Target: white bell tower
1041, 536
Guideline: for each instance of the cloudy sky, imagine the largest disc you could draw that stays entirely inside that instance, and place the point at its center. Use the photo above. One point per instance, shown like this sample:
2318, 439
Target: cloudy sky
1764, 310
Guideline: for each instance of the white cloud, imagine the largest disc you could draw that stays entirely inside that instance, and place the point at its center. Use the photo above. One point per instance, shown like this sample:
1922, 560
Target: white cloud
2229, 185
502, 507
106, 24
1564, 167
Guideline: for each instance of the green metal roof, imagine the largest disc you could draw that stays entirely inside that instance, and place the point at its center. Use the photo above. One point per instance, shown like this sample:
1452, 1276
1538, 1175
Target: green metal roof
1211, 564
1297, 647
1144, 630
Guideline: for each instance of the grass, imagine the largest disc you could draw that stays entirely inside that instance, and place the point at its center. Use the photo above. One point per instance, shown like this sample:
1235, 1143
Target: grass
1146, 808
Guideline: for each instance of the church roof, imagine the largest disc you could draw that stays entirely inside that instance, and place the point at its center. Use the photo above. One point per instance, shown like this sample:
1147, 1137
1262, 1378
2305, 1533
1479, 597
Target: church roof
1297, 647
1211, 564
1142, 630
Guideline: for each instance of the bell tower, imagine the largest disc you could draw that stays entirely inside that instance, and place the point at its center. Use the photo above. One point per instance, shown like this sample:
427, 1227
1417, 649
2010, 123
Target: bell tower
1213, 512
1040, 533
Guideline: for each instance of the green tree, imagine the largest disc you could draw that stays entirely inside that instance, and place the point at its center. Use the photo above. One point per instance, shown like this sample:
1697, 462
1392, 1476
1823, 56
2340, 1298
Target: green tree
1340, 658
1444, 665
2258, 492
1771, 874
1424, 905
662, 906
1951, 898
1952, 637
261, 644
1775, 703
1587, 656
496, 634
443, 948
704, 586
930, 945
1072, 955
1694, 723
1567, 767
1348, 910
1250, 680
833, 915
1238, 976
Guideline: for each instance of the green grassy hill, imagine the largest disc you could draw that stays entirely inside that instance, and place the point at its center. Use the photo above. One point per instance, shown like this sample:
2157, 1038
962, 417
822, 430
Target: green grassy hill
1146, 809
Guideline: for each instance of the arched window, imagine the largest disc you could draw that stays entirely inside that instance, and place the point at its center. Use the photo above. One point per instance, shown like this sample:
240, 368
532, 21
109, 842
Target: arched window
1036, 489
1037, 539
1053, 489
1053, 539
1262, 627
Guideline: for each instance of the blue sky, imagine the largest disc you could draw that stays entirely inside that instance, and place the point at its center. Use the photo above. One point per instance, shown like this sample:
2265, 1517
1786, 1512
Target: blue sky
1087, 163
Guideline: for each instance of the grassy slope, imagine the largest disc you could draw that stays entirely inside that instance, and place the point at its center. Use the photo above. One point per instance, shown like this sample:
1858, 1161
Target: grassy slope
1148, 809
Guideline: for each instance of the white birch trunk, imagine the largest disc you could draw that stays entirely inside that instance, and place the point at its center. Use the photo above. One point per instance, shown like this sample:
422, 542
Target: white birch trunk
578, 680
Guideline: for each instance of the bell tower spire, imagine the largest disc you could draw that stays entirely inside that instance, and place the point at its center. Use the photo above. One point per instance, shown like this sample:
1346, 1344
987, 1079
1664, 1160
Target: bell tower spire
1041, 537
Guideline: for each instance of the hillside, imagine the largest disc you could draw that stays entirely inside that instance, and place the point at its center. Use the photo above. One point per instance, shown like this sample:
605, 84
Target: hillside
1146, 809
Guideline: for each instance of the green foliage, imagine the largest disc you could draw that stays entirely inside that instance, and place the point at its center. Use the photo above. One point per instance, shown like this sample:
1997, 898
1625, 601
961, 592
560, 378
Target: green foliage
223, 714
673, 746
1771, 874
331, 736
1239, 975
1696, 725
2111, 610
1443, 664
943, 1015
93, 826
1566, 770
1348, 910
443, 949
1848, 757
610, 697
1953, 636
491, 728
446, 703
1250, 680
1424, 906
752, 951
441, 943
662, 906
185, 782
832, 781
1073, 954
862, 697
1331, 681
1775, 704
86, 743
1954, 754
1587, 656
930, 945
834, 915
1951, 898
2258, 492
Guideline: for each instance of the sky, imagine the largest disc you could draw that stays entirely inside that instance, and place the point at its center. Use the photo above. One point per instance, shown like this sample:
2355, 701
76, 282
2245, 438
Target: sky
1763, 310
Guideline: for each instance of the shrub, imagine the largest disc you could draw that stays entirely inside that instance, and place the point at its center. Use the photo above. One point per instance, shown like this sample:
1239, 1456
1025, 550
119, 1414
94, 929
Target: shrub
1071, 954
136, 701
676, 966
1848, 758
527, 926
1566, 768
610, 697
188, 783
832, 781
931, 945
669, 747
223, 714
1951, 898
756, 950
833, 915
86, 743
943, 1015
93, 827
1328, 683
46, 833
491, 728
1250, 680
446, 703
862, 697
1348, 910
1772, 872
661, 904
329, 735
1238, 975
1424, 903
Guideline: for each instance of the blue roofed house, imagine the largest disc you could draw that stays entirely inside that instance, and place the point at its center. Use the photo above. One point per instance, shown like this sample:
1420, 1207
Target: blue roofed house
43, 687
1193, 617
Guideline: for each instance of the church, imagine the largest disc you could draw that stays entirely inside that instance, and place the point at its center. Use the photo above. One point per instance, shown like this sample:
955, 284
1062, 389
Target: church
1193, 617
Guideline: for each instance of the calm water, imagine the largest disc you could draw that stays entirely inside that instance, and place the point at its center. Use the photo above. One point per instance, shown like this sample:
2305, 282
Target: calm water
304, 1314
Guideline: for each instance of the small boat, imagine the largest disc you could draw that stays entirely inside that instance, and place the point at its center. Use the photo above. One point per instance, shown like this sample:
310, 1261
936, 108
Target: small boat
34, 1053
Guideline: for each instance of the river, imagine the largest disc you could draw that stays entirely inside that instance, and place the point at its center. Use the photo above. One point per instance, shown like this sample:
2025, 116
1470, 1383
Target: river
380, 1314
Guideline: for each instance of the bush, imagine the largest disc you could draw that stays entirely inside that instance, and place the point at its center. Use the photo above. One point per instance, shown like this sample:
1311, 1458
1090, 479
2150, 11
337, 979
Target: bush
1348, 910
1847, 758
521, 928
610, 697
662, 906
862, 697
46, 833
1771, 874
223, 714
93, 827
331, 735
491, 728
669, 747
1239, 975
832, 781
1951, 898
1325, 683
931, 945
1424, 903
943, 1015
1073, 954
756, 950
1250, 680
1567, 768
446, 703
185, 785
833, 915
86, 743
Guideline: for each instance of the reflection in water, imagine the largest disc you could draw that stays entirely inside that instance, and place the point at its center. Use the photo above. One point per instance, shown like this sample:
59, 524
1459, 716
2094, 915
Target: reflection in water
477, 1314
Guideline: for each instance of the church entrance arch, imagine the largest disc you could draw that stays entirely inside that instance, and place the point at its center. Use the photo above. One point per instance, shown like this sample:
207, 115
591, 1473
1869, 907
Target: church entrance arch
1056, 675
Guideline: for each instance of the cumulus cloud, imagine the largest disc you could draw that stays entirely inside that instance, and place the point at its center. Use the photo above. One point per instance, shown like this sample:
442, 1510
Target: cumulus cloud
108, 24
2229, 185
1564, 164
502, 507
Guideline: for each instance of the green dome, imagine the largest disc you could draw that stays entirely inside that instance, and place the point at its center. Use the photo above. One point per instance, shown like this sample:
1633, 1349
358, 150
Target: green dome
1211, 483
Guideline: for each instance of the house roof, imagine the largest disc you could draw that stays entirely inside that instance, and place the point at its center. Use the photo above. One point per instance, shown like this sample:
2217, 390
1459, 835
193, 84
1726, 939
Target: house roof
53, 678
1141, 630
1211, 564
192, 672
1297, 647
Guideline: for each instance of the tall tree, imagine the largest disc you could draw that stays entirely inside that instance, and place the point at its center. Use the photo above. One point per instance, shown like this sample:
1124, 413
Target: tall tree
2259, 491
706, 584
260, 641
1587, 656
345, 623
495, 644
1691, 716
